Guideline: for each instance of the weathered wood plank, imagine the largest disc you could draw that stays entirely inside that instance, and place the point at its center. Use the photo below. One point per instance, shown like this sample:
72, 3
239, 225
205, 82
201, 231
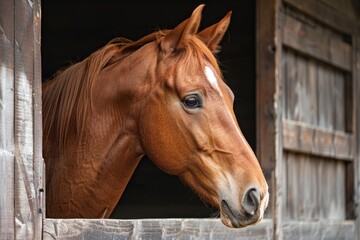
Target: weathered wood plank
151, 229
302, 90
315, 188
296, 85
292, 192
349, 100
316, 43
285, 202
313, 93
265, 89
190, 229
299, 137
7, 214
292, 99
339, 99
324, 14
25, 196
278, 214
39, 169
325, 103
329, 230
266, 83
356, 123
346, 7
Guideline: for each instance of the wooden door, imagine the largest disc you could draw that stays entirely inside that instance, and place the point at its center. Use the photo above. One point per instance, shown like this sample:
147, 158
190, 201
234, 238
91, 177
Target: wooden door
307, 140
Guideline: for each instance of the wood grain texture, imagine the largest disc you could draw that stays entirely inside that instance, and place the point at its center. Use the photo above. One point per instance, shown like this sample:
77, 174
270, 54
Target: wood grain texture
265, 90
151, 229
339, 99
7, 229
315, 188
325, 14
190, 229
357, 133
317, 135
315, 93
265, 82
313, 41
39, 167
346, 7
26, 214
315, 230
313, 116
305, 138
325, 99
278, 97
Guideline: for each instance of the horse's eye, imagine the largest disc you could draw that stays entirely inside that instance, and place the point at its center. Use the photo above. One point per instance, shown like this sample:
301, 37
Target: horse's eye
192, 102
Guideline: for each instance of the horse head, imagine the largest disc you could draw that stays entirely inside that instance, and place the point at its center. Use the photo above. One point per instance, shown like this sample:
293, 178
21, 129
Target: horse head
163, 96
187, 125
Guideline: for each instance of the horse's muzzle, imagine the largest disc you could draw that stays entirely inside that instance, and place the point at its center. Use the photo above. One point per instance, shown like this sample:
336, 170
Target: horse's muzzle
253, 207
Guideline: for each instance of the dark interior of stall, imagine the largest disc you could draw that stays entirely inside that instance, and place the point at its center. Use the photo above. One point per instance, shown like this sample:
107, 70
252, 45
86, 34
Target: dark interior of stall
71, 30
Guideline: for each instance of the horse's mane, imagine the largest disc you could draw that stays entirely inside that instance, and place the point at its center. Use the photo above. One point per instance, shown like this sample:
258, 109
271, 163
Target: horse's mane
67, 96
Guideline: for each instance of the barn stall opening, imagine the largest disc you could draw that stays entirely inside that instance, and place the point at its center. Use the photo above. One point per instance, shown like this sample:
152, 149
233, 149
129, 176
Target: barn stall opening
306, 68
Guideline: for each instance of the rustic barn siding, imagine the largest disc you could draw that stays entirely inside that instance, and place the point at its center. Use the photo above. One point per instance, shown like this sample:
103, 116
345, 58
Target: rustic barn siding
317, 140
356, 90
19, 59
306, 78
315, 92
306, 114
151, 229
7, 147
315, 188
206, 229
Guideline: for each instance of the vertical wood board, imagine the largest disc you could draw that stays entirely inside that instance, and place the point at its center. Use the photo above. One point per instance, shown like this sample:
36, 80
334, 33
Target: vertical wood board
19, 70
315, 92
318, 100
357, 134
7, 147
278, 96
315, 188
39, 165
265, 89
24, 77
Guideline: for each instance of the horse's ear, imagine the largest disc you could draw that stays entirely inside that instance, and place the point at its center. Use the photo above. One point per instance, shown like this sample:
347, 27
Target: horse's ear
212, 35
178, 37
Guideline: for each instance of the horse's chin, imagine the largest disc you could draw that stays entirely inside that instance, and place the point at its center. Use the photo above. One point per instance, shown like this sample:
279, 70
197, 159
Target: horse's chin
235, 219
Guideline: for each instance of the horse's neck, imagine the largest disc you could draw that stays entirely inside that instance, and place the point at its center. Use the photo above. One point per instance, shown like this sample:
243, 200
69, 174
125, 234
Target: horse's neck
98, 171
93, 177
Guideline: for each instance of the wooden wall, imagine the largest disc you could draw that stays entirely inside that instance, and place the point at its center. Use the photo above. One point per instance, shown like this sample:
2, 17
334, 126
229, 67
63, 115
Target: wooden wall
20, 120
308, 106
209, 229
317, 77
306, 98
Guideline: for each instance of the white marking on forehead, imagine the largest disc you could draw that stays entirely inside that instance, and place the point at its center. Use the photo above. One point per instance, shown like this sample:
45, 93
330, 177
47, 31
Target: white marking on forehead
212, 79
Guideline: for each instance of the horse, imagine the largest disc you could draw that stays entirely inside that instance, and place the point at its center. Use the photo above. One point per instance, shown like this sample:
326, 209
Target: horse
162, 96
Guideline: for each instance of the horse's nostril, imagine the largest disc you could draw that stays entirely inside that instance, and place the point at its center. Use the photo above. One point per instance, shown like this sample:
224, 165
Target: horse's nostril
251, 201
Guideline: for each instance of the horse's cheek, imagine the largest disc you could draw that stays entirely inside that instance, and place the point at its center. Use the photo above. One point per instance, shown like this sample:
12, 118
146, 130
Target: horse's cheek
160, 140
